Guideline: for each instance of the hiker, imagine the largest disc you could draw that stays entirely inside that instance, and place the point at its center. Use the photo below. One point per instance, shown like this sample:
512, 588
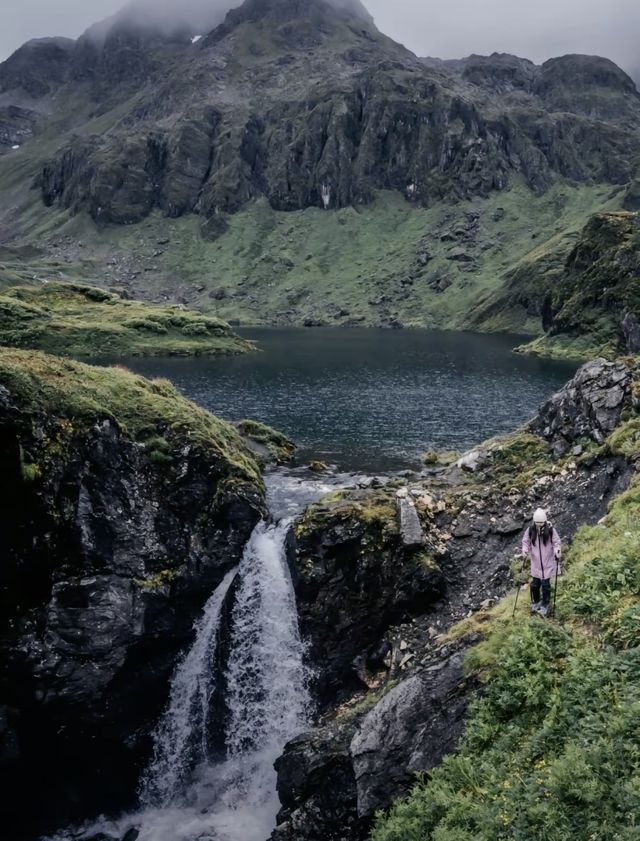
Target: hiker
541, 544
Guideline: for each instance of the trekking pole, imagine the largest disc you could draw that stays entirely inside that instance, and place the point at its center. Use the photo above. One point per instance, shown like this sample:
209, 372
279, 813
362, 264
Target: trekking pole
555, 589
520, 585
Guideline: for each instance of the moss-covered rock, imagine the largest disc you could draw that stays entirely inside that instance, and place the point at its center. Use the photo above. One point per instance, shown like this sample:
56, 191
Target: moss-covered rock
267, 443
74, 320
124, 505
587, 305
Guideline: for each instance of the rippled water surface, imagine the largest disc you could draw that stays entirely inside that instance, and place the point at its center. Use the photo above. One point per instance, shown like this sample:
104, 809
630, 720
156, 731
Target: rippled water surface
371, 400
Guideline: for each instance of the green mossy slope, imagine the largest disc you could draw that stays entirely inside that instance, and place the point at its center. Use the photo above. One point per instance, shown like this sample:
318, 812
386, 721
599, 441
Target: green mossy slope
551, 751
598, 286
386, 263
151, 412
73, 320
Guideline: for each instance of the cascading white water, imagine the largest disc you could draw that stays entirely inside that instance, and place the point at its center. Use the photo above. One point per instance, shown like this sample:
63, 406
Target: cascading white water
186, 793
181, 739
266, 682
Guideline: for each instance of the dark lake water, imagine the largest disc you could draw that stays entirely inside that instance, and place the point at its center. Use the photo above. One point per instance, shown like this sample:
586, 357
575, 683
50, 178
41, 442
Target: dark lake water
371, 400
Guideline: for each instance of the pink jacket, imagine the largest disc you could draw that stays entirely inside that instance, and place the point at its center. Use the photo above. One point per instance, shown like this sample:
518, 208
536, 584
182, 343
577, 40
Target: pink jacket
543, 558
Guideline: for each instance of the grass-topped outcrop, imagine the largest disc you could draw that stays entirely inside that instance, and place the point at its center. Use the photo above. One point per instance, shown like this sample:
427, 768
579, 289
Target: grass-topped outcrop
516, 705
74, 320
580, 289
124, 506
592, 306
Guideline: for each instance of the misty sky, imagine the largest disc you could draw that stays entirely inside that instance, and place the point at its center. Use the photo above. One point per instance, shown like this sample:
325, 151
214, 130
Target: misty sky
536, 30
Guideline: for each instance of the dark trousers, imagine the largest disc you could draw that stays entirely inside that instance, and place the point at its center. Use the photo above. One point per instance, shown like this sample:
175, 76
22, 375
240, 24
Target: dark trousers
545, 585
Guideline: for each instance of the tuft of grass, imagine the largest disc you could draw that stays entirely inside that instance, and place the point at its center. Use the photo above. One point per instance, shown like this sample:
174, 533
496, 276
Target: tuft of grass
73, 320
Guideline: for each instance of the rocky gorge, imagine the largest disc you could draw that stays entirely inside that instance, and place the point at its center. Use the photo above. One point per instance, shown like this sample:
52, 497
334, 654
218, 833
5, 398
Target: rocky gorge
120, 524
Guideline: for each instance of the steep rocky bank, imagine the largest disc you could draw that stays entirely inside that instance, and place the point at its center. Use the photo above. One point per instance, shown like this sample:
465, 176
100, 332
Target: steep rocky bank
124, 505
586, 297
414, 689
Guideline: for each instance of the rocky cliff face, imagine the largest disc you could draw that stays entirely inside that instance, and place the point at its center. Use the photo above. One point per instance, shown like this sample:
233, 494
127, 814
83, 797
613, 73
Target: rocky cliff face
124, 506
414, 692
309, 105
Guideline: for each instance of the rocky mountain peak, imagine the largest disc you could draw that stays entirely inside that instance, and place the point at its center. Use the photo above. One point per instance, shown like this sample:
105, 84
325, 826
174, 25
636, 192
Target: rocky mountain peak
315, 14
36, 66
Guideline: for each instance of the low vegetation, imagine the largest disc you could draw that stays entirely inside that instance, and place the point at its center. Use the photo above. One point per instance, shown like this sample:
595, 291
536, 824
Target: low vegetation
151, 412
551, 751
278, 446
83, 321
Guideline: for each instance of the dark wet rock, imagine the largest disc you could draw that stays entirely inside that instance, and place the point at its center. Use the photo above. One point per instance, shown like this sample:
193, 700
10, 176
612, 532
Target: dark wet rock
631, 332
589, 406
110, 550
316, 786
353, 578
332, 781
9, 740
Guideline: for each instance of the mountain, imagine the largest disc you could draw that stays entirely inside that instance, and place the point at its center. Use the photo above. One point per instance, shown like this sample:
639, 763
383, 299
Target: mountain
298, 166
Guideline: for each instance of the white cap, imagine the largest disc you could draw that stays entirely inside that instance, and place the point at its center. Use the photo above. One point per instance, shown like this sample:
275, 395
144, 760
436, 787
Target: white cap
540, 517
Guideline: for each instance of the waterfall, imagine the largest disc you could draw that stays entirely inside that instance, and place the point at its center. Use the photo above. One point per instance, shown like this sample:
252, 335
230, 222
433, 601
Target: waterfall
181, 739
187, 794
191, 792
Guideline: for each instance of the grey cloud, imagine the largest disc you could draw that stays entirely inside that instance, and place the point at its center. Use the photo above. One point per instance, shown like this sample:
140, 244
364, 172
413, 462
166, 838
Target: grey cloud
449, 30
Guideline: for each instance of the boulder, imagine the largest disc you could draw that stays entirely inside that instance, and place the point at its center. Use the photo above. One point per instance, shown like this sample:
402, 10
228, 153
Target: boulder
411, 533
333, 779
589, 406
409, 730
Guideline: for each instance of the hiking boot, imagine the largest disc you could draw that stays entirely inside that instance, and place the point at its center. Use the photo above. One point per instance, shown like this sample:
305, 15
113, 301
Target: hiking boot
535, 607
544, 610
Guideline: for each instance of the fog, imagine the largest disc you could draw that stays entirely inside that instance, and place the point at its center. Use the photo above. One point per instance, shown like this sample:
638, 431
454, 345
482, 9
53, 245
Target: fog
447, 30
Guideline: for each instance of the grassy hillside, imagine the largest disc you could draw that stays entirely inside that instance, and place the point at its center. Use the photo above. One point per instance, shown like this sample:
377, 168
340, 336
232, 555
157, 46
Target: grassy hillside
388, 263
551, 750
73, 320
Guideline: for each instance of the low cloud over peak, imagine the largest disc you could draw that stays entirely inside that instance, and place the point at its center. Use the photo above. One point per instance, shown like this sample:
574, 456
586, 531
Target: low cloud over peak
537, 31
